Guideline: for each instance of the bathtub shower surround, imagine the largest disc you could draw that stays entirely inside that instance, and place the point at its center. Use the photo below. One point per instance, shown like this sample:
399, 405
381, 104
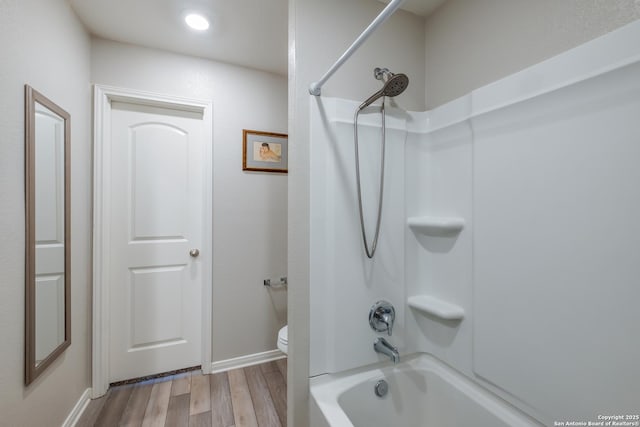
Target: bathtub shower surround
345, 283
508, 249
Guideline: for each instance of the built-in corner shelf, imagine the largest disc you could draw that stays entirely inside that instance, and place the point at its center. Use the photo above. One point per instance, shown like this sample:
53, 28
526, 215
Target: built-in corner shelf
436, 307
435, 225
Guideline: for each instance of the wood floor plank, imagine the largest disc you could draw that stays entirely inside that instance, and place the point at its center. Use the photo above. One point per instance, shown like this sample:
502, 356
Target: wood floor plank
268, 367
181, 384
262, 404
114, 407
200, 420
282, 367
156, 412
178, 411
136, 406
221, 406
200, 394
243, 412
278, 390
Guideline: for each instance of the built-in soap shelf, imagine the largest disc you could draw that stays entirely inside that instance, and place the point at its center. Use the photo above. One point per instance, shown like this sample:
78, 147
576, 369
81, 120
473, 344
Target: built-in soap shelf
436, 307
435, 225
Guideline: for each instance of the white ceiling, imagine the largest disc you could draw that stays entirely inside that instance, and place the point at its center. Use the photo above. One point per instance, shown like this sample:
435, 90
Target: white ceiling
419, 7
251, 33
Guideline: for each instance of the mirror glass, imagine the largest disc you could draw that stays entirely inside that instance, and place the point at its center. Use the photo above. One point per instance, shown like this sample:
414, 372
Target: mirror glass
47, 232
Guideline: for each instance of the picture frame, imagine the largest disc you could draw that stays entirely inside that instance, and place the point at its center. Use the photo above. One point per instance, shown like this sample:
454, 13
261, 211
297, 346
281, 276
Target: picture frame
264, 151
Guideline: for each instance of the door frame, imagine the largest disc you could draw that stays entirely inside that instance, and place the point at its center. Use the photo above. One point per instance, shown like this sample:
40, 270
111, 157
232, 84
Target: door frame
103, 98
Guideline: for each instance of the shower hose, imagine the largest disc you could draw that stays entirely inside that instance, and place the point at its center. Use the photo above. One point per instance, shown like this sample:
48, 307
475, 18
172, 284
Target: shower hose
370, 251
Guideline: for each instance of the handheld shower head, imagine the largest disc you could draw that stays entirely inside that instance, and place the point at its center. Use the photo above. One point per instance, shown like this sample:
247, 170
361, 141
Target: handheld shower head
394, 85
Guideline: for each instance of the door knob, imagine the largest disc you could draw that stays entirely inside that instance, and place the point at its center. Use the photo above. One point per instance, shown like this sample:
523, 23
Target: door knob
194, 252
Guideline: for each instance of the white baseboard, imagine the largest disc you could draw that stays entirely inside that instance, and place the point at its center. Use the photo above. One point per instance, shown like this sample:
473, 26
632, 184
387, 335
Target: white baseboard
248, 360
78, 409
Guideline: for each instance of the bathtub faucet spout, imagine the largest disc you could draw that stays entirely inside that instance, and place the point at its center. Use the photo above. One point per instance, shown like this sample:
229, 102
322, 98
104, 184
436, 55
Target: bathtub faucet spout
382, 346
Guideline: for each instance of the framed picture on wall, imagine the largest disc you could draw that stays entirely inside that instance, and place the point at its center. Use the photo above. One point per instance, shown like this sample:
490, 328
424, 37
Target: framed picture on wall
264, 151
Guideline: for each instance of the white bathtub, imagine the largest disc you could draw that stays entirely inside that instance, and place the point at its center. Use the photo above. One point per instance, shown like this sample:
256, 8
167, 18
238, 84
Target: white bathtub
423, 392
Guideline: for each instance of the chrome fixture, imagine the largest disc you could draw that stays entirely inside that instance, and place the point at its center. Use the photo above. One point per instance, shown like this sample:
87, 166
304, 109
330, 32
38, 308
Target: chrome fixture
381, 317
280, 284
394, 85
381, 388
194, 253
382, 346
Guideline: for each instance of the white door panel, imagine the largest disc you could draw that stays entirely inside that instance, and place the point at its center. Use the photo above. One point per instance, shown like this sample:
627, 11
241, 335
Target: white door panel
49, 313
157, 211
159, 182
49, 201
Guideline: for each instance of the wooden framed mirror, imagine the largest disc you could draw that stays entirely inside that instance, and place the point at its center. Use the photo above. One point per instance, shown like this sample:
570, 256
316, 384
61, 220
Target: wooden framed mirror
47, 244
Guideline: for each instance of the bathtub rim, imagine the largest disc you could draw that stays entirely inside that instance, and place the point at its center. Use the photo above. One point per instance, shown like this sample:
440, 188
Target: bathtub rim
325, 390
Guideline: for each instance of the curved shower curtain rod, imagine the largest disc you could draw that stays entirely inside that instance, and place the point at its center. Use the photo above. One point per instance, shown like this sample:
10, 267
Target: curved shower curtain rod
315, 87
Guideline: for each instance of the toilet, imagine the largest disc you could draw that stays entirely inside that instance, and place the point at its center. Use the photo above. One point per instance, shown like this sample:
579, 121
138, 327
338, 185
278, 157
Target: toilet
283, 339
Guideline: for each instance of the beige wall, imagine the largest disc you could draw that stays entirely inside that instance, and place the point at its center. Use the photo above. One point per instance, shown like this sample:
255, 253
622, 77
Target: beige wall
319, 32
470, 43
43, 44
249, 209
327, 28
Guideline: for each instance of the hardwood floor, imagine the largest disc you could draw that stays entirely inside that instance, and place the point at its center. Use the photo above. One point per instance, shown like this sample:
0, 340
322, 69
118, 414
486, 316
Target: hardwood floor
255, 396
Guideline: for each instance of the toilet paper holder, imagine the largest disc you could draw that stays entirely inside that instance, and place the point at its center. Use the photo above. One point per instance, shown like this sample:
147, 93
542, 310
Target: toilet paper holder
281, 284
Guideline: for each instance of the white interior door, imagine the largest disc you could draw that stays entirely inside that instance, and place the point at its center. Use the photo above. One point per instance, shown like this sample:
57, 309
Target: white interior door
157, 210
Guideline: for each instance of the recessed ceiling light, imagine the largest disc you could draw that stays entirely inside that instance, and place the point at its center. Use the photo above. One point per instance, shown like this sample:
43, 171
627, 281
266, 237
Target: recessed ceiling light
196, 21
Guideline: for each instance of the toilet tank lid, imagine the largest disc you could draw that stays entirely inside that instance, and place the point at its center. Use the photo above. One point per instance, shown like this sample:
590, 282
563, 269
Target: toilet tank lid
283, 334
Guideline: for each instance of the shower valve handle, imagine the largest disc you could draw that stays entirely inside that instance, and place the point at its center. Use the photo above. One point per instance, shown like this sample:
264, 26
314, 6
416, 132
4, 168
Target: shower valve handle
381, 317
